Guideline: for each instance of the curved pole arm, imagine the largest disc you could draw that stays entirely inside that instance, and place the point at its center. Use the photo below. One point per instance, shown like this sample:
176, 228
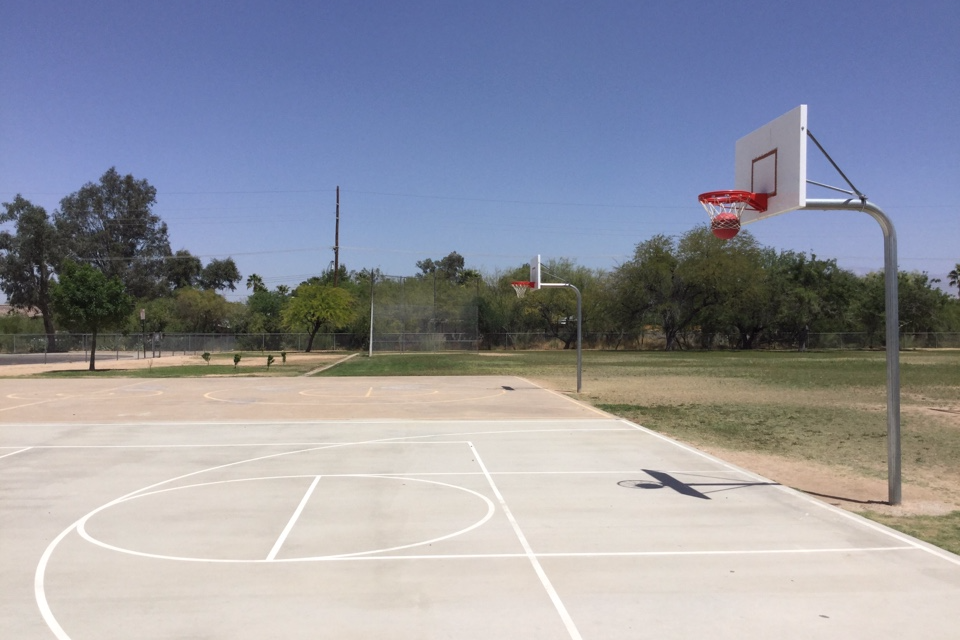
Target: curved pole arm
579, 326
891, 304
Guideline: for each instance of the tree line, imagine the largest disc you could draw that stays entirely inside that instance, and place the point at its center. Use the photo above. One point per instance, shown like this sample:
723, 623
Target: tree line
103, 255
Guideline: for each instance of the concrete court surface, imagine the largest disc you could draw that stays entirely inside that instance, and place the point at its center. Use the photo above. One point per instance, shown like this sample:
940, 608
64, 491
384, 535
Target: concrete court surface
473, 507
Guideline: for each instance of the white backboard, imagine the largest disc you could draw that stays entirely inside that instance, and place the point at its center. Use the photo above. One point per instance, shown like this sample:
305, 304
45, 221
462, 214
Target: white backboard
773, 160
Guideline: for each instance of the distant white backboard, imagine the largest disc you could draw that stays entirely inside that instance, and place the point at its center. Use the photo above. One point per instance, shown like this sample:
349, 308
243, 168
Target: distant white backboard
773, 160
535, 271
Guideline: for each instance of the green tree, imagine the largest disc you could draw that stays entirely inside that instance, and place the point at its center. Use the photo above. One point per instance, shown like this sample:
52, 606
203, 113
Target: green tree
26, 260
814, 295
160, 315
265, 308
557, 306
451, 268
665, 283
316, 306
86, 301
921, 306
111, 225
954, 277
201, 311
219, 275
500, 312
255, 282
748, 299
182, 270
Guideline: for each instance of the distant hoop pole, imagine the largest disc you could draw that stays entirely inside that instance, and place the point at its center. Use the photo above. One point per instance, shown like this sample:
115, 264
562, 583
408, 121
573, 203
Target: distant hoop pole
522, 286
891, 297
373, 278
579, 326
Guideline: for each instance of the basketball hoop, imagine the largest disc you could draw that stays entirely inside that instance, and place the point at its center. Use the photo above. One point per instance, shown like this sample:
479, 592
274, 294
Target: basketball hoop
726, 207
522, 287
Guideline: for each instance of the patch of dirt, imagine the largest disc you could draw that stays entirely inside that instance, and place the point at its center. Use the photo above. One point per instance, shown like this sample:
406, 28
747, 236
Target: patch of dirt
842, 489
925, 493
678, 390
106, 362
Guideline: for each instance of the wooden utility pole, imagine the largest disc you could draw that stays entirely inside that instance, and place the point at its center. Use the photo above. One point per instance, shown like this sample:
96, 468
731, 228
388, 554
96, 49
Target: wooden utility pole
336, 245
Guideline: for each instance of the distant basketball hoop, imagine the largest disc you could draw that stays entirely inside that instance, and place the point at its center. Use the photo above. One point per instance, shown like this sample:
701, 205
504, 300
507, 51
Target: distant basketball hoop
725, 209
535, 283
522, 287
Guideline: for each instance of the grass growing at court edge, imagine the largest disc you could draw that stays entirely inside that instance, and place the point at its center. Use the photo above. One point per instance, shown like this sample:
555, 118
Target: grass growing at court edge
942, 531
453, 364
823, 407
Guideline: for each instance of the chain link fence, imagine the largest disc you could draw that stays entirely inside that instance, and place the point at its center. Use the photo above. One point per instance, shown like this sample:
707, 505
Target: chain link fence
158, 345
426, 313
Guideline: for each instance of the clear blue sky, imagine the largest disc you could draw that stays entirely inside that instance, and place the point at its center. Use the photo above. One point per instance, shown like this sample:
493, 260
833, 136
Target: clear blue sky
499, 130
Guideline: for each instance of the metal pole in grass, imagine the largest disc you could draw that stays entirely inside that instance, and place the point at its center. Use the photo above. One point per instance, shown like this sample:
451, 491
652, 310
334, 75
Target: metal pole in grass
579, 326
521, 287
373, 277
890, 275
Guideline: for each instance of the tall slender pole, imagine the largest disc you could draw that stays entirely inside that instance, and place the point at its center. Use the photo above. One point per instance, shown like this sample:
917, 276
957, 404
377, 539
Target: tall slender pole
336, 245
373, 277
579, 326
579, 337
891, 304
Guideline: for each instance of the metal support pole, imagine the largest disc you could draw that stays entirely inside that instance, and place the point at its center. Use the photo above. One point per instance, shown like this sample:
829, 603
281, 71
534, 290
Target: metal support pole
336, 245
891, 303
373, 278
579, 326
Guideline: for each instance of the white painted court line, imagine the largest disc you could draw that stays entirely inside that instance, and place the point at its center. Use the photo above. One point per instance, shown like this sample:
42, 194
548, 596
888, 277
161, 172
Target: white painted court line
566, 397
50, 619
293, 520
39, 580
607, 554
13, 453
860, 520
537, 567
491, 510
387, 441
29, 404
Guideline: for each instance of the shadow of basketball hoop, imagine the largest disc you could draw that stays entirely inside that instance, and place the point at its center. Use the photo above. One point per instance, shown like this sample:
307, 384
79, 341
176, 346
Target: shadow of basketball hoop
665, 480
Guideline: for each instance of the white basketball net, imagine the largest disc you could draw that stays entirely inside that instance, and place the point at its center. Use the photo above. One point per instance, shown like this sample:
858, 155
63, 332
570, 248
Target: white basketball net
735, 208
726, 207
521, 288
